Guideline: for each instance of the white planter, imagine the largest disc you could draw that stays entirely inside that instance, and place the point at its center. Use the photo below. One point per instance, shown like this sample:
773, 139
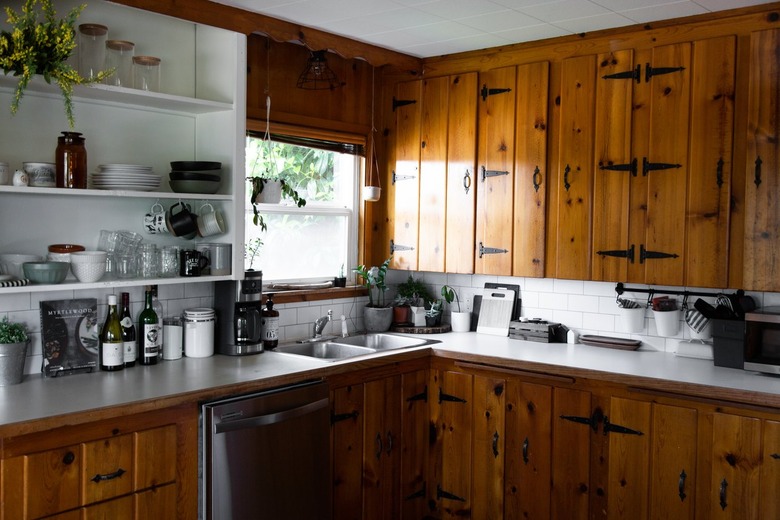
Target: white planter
667, 323
461, 321
418, 316
271, 194
632, 320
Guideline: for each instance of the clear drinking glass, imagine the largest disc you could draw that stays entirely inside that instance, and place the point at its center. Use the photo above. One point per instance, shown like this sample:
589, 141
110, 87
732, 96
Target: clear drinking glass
149, 261
169, 261
126, 266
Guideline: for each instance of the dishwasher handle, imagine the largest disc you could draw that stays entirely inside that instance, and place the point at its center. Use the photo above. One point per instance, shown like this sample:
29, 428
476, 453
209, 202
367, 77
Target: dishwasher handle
271, 418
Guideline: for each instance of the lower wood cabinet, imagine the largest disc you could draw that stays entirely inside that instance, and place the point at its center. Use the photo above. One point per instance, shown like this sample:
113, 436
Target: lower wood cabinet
134, 467
466, 440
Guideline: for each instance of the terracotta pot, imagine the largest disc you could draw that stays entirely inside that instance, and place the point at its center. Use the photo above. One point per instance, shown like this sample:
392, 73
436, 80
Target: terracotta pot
402, 314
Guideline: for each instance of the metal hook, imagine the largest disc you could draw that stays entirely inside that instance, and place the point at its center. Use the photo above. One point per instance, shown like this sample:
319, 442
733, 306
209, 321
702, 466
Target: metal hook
685, 301
650, 298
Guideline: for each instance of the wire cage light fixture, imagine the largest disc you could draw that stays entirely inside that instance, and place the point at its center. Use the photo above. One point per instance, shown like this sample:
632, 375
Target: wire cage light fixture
318, 75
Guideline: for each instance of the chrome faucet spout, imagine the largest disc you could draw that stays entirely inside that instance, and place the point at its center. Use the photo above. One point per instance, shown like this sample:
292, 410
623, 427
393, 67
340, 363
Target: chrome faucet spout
319, 323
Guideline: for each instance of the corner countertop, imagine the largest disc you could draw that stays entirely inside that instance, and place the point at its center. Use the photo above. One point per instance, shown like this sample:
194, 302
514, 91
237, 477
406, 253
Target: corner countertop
39, 403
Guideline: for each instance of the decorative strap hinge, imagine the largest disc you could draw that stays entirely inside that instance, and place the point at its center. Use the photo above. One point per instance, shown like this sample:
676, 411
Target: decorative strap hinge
490, 250
397, 177
491, 173
399, 247
440, 493
658, 71
422, 396
592, 421
635, 74
644, 254
338, 417
620, 253
485, 92
449, 398
627, 167
402, 102
616, 428
417, 494
647, 166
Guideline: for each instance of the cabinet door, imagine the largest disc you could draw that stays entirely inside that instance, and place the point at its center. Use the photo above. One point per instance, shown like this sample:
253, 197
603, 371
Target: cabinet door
769, 504
762, 209
155, 457
381, 453
575, 168
433, 174
571, 453
488, 465
673, 469
414, 448
528, 450
628, 423
461, 173
736, 456
496, 174
710, 160
406, 176
107, 468
159, 502
347, 451
117, 509
530, 205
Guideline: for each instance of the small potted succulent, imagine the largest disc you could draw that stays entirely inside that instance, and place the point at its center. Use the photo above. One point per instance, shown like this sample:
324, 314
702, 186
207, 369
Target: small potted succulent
433, 314
460, 320
416, 293
13, 352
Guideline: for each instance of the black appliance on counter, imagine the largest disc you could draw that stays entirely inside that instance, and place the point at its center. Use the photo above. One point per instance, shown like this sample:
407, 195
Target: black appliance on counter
762, 340
238, 305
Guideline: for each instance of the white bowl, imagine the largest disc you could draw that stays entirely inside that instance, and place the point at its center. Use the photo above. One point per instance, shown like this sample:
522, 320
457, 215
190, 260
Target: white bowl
12, 264
88, 272
88, 257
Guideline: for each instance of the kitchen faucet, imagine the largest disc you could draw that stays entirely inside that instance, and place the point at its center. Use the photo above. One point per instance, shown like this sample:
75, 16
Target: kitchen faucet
319, 323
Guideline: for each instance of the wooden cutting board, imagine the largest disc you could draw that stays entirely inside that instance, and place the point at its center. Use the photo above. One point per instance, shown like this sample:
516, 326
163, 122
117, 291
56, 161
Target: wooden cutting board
495, 312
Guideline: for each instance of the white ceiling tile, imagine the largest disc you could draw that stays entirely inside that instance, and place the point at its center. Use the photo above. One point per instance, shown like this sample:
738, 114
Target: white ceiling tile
533, 33
722, 5
653, 14
564, 10
519, 4
624, 5
499, 21
396, 19
594, 23
457, 9
478, 41
443, 31
316, 13
398, 39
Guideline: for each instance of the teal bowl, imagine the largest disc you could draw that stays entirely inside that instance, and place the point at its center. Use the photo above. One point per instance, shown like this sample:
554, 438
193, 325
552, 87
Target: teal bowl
46, 272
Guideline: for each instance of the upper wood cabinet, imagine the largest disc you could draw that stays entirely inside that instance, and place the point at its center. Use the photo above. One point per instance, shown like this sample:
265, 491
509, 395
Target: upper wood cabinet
762, 168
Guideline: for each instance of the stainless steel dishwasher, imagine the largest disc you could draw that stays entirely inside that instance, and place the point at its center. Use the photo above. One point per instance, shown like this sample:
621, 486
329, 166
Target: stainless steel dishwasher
267, 455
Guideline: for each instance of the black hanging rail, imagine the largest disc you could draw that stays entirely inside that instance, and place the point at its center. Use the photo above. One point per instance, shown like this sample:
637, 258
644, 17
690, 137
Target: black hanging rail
620, 289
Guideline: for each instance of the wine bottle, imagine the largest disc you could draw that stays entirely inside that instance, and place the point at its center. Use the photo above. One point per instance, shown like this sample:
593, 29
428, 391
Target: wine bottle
111, 347
129, 343
149, 330
158, 309
269, 319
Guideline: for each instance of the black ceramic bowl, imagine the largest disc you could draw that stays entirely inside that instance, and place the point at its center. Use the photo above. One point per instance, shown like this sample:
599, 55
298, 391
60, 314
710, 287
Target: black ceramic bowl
193, 176
195, 165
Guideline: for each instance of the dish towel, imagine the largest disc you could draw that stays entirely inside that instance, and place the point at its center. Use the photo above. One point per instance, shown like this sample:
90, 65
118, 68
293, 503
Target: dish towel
695, 320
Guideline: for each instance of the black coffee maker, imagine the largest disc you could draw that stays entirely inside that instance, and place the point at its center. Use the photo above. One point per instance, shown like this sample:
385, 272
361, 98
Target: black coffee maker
238, 306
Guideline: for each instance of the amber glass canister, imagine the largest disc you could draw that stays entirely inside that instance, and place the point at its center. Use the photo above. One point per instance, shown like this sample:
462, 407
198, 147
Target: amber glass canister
71, 161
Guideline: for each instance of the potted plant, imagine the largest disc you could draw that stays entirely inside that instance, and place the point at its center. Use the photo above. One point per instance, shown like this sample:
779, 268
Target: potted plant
376, 317
341, 279
401, 310
13, 352
417, 295
433, 314
460, 320
269, 190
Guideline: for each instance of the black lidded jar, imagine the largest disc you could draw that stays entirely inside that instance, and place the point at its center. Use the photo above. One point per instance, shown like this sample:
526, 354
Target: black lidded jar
71, 161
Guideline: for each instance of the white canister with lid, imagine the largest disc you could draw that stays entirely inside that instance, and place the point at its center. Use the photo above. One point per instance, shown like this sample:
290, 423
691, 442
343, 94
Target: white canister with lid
199, 332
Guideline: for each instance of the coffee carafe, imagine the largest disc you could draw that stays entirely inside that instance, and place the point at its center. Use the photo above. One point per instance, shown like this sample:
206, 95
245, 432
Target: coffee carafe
238, 306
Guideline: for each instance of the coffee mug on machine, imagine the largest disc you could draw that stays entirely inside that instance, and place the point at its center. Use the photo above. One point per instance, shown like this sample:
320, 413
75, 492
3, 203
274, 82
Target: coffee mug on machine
191, 262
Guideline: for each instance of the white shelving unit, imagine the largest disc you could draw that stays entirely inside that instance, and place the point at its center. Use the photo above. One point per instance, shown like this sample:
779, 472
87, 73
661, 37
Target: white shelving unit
200, 114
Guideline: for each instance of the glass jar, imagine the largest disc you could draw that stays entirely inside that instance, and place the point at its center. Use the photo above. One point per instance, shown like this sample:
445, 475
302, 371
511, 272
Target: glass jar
149, 261
119, 56
71, 161
92, 49
146, 73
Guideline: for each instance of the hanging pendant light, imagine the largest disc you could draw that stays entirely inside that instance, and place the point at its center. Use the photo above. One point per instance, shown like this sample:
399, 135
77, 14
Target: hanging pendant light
317, 75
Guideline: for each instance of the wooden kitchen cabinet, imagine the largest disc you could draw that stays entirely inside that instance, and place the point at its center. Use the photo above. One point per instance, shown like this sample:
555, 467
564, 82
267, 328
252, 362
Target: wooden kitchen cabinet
139, 466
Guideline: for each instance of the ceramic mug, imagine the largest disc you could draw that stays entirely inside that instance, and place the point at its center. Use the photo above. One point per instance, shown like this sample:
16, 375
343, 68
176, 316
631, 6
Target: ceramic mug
155, 221
210, 222
182, 223
191, 262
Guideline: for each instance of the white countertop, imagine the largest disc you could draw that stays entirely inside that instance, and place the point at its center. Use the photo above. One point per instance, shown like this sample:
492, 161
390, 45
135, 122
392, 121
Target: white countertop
40, 398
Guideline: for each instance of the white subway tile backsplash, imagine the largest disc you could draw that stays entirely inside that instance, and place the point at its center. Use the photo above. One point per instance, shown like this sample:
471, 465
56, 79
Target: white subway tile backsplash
539, 284
553, 300
568, 286
583, 303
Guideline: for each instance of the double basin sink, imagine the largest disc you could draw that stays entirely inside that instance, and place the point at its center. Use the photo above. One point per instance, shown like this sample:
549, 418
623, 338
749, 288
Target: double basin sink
334, 349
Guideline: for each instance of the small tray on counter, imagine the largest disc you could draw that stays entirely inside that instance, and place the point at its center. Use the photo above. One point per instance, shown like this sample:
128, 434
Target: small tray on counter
610, 342
411, 329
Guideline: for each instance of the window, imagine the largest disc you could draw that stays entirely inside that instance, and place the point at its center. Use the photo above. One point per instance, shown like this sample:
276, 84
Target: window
319, 240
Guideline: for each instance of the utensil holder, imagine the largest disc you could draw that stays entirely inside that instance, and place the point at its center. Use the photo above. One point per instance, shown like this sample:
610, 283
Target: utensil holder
632, 320
667, 323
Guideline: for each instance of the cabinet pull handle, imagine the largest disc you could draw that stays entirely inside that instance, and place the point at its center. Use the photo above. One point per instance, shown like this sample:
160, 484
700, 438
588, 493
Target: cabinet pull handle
525, 451
566, 177
389, 442
338, 417
681, 486
495, 444
723, 486
466, 181
757, 174
719, 173
537, 179
109, 476
378, 445
68, 458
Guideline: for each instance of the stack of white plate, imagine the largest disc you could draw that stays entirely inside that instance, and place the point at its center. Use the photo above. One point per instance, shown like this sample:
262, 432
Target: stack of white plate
125, 177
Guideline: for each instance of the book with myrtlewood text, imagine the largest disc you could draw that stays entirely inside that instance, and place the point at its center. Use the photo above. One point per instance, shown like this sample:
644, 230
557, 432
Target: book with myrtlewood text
69, 334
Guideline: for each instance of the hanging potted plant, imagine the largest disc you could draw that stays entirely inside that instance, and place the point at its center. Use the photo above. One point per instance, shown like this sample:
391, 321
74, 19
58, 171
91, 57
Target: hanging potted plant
13, 352
376, 316
269, 191
460, 320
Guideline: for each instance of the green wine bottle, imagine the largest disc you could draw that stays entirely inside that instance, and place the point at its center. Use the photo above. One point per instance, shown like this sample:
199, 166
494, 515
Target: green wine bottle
112, 355
148, 333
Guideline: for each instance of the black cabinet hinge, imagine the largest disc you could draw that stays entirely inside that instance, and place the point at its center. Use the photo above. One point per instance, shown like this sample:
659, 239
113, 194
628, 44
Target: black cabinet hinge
635, 74
449, 398
399, 247
658, 71
397, 177
440, 493
627, 167
422, 396
620, 253
417, 494
592, 421
616, 428
644, 254
485, 92
647, 166
484, 250
492, 173
402, 102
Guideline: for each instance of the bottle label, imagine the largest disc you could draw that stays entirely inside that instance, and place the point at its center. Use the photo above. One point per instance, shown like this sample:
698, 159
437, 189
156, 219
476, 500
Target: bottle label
131, 350
113, 354
151, 340
126, 322
270, 328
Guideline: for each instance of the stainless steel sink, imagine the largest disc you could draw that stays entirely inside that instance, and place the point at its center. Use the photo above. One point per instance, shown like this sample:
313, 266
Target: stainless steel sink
325, 350
382, 341
359, 345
